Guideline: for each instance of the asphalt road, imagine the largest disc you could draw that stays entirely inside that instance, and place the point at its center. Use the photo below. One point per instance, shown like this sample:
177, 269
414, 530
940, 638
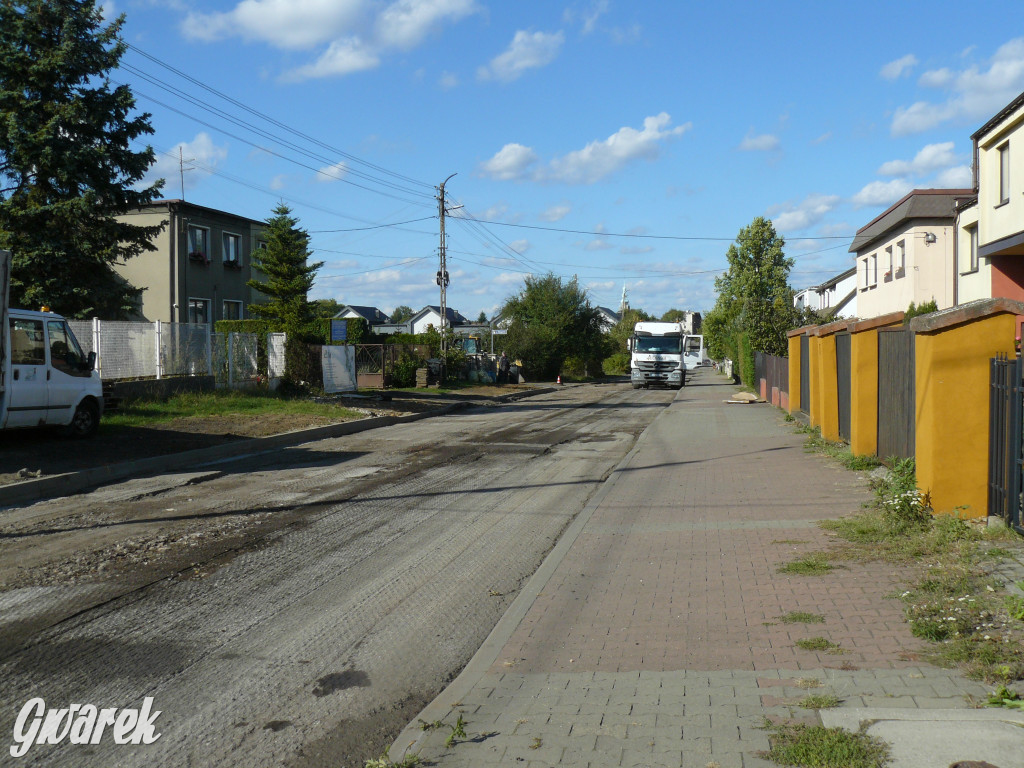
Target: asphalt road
296, 608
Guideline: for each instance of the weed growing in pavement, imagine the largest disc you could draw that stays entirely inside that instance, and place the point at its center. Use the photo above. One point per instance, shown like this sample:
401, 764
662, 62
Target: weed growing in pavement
537, 742
425, 726
409, 761
819, 701
802, 617
839, 451
814, 746
808, 682
1004, 697
953, 602
813, 564
458, 732
818, 644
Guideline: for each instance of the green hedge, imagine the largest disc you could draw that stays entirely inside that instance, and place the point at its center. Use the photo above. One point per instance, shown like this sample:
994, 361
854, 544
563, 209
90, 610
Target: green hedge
316, 332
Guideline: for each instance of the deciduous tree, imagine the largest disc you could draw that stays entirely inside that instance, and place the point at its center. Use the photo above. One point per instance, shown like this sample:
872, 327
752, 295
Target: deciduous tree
67, 167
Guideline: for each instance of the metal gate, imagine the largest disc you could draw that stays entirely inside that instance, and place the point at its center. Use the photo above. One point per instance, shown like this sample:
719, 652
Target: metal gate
805, 374
843, 351
1006, 451
896, 403
370, 366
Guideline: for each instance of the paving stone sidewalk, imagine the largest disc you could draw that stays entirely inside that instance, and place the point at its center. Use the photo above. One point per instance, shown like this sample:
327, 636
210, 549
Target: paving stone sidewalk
652, 636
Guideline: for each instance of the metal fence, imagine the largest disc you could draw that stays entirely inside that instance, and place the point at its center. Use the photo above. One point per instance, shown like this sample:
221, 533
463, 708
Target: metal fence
1006, 444
774, 372
844, 350
896, 400
133, 350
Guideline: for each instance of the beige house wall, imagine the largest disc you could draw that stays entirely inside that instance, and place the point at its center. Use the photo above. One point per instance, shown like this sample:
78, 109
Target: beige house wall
927, 273
998, 220
152, 271
973, 284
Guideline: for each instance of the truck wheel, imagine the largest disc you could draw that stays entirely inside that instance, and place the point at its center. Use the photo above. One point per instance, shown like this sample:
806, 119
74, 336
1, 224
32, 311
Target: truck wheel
86, 420
637, 385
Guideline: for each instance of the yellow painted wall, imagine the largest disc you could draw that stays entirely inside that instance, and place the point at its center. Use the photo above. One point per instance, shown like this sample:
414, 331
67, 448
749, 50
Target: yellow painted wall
952, 380
814, 348
864, 392
829, 403
794, 373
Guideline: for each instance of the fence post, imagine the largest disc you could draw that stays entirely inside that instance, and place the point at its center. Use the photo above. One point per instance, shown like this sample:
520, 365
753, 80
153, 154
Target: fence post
159, 333
231, 360
96, 345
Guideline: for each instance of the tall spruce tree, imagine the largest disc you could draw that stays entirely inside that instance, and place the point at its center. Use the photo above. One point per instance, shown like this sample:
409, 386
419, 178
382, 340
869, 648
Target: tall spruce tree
66, 164
289, 273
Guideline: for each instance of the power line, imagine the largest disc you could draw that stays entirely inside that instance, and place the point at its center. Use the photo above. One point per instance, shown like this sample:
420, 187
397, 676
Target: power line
375, 226
274, 121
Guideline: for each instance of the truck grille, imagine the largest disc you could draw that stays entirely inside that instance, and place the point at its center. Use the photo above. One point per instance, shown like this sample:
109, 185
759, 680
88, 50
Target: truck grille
657, 366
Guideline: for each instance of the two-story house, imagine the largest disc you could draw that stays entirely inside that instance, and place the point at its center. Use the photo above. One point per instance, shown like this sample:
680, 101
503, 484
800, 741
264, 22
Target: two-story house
990, 223
836, 297
906, 253
202, 262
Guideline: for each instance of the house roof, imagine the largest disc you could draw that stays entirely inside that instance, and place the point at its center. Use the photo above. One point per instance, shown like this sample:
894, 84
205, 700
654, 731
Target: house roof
185, 204
832, 282
609, 313
1010, 108
453, 316
372, 315
918, 204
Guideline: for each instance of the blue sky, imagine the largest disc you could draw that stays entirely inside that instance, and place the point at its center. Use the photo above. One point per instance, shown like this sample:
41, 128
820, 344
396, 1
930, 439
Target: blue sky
623, 142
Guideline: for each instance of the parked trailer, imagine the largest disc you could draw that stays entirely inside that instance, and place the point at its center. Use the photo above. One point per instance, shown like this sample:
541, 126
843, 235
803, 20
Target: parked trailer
45, 379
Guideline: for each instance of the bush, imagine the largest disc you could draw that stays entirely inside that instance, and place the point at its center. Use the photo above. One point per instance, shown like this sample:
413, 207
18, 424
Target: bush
403, 372
617, 364
904, 508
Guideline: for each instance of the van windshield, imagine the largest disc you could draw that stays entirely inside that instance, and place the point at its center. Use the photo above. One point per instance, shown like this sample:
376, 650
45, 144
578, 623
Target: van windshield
667, 344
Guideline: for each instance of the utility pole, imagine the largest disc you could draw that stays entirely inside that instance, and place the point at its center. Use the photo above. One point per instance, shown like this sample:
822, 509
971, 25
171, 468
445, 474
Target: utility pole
182, 169
442, 273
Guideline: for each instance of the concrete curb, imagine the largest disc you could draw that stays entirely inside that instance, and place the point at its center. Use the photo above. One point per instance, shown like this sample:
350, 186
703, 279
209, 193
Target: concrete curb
73, 482
412, 736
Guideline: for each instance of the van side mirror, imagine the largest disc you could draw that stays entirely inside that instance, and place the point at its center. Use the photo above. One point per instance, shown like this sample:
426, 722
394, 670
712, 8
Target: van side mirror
90, 362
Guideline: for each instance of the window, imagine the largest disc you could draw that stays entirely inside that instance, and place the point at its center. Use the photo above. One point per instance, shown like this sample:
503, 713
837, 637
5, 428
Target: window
27, 345
901, 258
199, 310
888, 263
973, 266
198, 243
864, 283
874, 270
1004, 173
65, 354
232, 249
232, 310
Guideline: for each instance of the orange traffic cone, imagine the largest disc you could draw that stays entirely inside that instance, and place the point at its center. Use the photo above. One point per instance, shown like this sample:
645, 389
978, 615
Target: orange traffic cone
559, 379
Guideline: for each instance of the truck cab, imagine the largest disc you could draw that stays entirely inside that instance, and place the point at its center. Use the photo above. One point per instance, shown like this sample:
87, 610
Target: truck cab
45, 378
656, 355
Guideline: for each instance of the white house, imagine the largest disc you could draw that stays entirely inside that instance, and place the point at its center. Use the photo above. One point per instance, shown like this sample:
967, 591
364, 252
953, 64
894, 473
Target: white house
431, 316
906, 253
990, 223
837, 296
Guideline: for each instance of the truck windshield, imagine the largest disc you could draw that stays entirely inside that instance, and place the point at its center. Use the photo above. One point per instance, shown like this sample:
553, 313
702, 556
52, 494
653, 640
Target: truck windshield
669, 344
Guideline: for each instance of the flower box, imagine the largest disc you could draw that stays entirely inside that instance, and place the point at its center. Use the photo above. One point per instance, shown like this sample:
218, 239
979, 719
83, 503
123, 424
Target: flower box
198, 256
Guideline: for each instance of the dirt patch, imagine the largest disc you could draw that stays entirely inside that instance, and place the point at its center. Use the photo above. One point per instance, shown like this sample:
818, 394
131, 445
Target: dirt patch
29, 453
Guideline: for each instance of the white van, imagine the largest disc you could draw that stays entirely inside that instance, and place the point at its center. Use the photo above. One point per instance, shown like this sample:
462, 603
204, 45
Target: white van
45, 379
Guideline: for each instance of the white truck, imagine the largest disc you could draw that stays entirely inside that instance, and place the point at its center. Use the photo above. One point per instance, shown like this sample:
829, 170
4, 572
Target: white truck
662, 353
45, 379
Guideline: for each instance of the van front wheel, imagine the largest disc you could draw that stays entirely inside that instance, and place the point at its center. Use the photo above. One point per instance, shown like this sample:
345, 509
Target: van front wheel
86, 420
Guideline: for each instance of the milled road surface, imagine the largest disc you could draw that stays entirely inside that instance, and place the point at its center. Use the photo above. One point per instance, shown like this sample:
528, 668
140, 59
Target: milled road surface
296, 608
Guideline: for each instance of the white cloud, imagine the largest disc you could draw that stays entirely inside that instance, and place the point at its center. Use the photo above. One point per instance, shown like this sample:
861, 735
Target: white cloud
931, 158
405, 23
509, 163
526, 51
936, 78
587, 18
282, 23
763, 143
342, 57
555, 212
823, 138
331, 173
199, 157
448, 80
805, 214
279, 181
633, 250
602, 158
958, 177
895, 69
358, 32
881, 193
520, 246
974, 94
